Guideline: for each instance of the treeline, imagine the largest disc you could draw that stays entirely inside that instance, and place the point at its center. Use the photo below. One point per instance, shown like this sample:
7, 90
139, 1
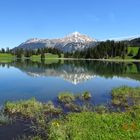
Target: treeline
19, 52
138, 55
104, 50
134, 42
7, 50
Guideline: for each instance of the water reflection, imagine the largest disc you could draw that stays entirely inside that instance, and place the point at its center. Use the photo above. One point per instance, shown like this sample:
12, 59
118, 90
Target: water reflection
78, 71
44, 80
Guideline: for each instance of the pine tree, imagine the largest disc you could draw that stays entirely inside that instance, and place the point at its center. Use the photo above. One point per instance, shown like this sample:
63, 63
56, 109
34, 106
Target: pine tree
131, 53
138, 54
42, 56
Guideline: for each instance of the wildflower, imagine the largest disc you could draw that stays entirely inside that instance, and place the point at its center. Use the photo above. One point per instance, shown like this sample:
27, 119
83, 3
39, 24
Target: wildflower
133, 126
125, 127
56, 124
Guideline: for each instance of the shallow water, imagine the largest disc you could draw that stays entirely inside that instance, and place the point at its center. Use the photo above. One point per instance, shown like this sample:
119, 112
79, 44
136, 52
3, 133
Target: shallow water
15, 131
44, 81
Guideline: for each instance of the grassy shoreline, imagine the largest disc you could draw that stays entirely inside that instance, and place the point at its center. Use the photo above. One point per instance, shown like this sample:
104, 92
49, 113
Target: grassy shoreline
9, 57
110, 60
82, 121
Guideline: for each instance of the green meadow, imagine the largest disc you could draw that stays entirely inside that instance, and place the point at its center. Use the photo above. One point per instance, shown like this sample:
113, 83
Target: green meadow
5, 57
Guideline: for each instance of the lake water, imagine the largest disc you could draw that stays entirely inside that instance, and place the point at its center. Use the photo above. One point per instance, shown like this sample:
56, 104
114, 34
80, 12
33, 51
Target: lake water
44, 81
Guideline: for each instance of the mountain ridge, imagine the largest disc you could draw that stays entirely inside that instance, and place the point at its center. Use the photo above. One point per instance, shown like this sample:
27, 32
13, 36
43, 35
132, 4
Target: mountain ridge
72, 42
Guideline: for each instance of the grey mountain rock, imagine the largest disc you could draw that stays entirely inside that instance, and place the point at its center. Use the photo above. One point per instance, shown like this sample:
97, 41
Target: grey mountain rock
70, 43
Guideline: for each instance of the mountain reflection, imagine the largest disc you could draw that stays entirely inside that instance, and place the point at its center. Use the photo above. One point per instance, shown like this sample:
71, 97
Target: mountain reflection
78, 71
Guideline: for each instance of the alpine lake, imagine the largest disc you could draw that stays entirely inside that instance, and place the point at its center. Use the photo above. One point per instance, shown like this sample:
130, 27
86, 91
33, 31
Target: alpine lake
22, 80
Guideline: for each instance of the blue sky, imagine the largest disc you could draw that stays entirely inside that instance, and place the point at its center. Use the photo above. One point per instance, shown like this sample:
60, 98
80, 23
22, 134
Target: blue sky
100, 19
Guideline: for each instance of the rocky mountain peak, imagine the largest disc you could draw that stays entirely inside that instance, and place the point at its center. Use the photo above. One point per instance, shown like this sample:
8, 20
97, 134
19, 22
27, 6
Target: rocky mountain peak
32, 40
75, 34
78, 37
70, 43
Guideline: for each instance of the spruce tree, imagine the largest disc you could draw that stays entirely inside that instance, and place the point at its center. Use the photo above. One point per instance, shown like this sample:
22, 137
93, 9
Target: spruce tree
138, 54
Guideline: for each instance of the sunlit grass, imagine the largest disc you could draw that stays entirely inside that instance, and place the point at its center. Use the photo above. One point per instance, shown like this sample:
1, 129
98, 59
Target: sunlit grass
66, 97
6, 58
94, 126
26, 108
134, 49
47, 56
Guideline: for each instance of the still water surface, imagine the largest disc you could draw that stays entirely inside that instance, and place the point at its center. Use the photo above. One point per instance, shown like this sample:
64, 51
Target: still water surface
44, 81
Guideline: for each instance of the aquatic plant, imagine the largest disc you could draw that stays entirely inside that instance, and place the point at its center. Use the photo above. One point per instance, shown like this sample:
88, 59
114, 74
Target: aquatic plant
5, 119
72, 107
40, 126
26, 108
86, 95
66, 97
24, 137
50, 108
126, 91
51, 122
126, 96
100, 109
